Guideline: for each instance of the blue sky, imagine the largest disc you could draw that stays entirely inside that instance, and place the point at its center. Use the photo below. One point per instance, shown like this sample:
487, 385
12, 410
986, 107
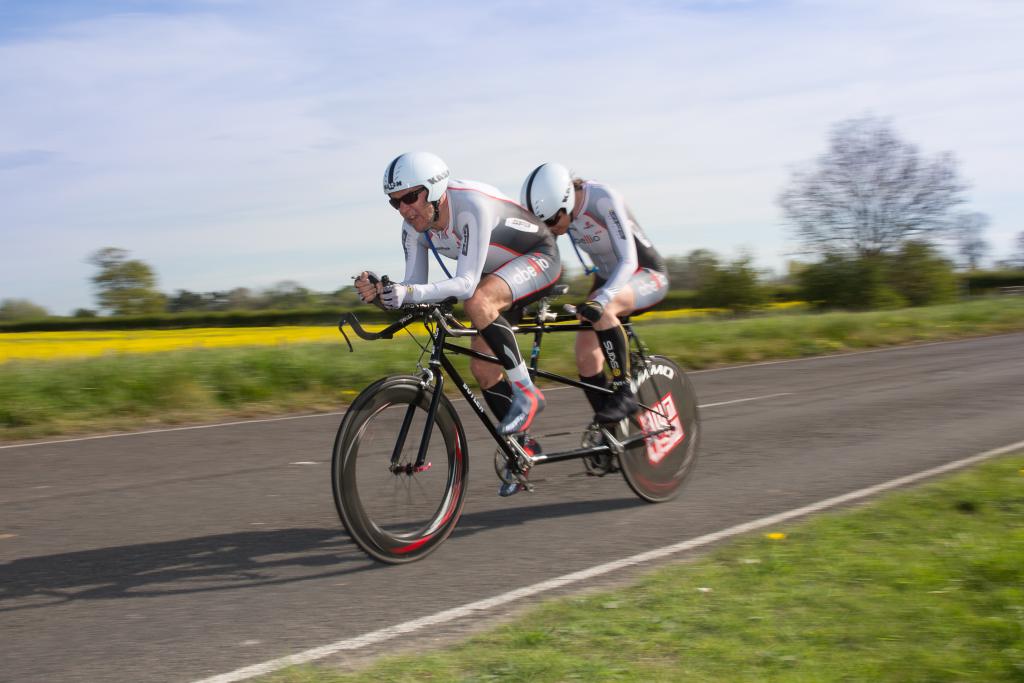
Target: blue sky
233, 143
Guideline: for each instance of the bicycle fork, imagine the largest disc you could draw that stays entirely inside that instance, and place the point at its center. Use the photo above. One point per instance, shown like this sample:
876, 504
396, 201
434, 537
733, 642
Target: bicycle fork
421, 464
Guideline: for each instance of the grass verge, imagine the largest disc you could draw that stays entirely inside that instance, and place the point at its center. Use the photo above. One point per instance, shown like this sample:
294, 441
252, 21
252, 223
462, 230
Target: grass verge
922, 585
41, 398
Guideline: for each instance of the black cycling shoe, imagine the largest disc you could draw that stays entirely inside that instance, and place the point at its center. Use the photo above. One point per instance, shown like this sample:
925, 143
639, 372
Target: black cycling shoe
618, 406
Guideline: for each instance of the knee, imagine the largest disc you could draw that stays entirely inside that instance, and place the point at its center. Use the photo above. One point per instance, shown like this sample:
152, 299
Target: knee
472, 305
480, 307
609, 319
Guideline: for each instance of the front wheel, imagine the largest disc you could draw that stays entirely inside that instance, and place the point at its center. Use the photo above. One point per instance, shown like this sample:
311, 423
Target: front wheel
393, 508
656, 467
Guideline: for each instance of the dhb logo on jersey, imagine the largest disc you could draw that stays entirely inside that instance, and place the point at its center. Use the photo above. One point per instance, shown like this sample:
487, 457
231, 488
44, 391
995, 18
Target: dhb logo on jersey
523, 274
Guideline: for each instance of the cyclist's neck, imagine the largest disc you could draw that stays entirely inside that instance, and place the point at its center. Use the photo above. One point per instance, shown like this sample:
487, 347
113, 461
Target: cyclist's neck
443, 218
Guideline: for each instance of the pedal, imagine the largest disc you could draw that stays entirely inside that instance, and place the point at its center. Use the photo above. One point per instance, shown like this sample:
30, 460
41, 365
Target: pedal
600, 464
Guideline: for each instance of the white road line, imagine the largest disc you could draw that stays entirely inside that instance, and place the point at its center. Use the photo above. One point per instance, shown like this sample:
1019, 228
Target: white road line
305, 417
472, 608
743, 400
170, 429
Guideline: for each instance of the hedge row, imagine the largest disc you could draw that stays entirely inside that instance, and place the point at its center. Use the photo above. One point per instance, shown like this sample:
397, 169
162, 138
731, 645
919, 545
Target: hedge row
676, 299
986, 281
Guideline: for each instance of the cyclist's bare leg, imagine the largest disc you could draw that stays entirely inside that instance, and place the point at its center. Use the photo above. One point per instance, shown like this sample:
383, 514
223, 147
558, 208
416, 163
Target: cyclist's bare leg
484, 308
491, 297
486, 374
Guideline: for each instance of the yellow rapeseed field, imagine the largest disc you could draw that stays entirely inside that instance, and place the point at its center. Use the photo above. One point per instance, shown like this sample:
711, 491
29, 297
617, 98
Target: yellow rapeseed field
84, 344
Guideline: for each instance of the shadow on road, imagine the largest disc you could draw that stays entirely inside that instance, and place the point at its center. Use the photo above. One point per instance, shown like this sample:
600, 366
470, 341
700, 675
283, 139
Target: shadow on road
472, 523
225, 561
193, 565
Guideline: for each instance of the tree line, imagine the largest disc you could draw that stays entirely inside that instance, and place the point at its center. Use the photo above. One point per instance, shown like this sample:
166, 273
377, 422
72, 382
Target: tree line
875, 218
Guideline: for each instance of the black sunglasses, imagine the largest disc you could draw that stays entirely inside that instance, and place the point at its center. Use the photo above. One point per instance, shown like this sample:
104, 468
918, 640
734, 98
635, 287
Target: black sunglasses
550, 222
409, 198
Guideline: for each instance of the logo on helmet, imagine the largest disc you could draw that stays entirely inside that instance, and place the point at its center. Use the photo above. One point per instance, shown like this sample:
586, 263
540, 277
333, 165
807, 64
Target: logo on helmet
434, 180
391, 186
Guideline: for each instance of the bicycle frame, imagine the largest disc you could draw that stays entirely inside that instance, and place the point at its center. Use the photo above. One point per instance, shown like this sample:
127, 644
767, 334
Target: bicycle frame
439, 365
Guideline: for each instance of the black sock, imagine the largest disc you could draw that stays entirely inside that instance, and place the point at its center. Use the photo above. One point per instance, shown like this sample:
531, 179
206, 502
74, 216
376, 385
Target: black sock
502, 340
596, 398
499, 398
616, 353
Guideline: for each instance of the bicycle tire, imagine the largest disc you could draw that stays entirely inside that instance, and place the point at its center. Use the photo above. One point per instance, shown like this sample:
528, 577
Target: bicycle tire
656, 468
398, 517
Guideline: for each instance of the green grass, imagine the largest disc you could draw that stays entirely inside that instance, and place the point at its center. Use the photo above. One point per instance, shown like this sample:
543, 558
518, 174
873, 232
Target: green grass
924, 585
130, 391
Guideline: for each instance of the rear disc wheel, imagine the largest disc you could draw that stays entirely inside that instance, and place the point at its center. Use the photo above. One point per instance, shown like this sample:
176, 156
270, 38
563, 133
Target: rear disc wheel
658, 465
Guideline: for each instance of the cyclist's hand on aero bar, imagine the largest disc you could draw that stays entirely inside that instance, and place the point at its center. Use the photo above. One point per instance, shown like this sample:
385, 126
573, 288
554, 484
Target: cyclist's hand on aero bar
367, 286
590, 311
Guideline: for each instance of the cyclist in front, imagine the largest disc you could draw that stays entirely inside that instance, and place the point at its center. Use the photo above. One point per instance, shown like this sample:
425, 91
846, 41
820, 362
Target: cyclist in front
504, 259
629, 275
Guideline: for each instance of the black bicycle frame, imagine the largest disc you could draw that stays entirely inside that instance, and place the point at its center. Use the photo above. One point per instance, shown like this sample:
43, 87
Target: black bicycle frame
439, 361
440, 364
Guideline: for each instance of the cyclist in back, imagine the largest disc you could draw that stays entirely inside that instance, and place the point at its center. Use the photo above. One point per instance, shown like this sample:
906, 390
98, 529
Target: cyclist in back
504, 259
629, 275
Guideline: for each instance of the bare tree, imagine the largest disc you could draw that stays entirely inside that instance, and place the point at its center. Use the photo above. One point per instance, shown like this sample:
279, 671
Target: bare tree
967, 235
870, 192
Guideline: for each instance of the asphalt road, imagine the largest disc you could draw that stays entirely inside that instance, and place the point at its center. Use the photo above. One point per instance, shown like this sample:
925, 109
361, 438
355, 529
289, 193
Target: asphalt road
177, 555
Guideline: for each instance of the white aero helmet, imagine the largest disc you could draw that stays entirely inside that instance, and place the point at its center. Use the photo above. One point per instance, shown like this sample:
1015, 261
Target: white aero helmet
417, 168
547, 189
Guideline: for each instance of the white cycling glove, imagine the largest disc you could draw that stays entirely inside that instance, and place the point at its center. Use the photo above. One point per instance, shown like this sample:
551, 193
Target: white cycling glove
394, 295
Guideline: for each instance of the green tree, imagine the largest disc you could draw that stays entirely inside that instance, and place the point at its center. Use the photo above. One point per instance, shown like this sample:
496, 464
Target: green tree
125, 286
734, 286
850, 282
12, 310
693, 271
921, 276
184, 300
288, 294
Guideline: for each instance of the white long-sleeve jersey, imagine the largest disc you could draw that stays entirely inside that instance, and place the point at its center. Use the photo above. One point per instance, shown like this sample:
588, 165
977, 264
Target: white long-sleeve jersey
606, 230
485, 231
